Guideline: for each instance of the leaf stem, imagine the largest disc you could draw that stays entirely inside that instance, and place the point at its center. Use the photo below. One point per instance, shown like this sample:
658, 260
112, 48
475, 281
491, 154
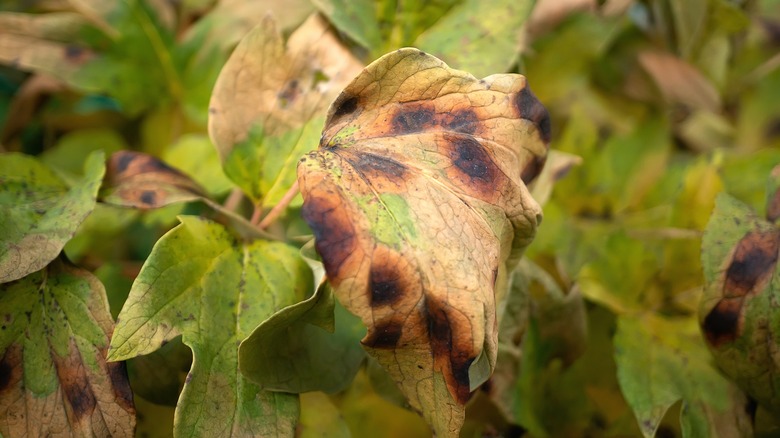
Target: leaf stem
280, 207
233, 200
256, 215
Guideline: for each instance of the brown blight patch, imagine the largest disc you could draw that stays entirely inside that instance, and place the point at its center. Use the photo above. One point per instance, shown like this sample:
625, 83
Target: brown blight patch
753, 263
473, 169
142, 181
452, 355
464, 121
750, 269
334, 232
528, 107
413, 118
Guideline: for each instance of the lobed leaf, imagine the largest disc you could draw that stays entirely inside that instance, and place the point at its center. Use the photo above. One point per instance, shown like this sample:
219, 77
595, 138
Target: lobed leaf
418, 203
202, 284
55, 379
39, 213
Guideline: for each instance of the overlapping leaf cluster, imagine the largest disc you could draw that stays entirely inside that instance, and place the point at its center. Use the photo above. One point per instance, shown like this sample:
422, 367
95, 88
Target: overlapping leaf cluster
657, 107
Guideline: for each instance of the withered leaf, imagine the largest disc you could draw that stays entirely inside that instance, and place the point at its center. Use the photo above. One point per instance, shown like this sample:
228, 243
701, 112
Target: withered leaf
419, 208
267, 105
54, 378
135, 179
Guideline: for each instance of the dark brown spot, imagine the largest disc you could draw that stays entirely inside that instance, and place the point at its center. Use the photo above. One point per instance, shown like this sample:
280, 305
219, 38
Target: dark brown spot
117, 373
533, 169
370, 163
73, 53
289, 93
148, 197
385, 285
773, 207
333, 231
464, 121
9, 361
79, 396
412, 118
470, 157
753, 263
345, 105
122, 160
453, 352
495, 276
384, 335
529, 108
721, 325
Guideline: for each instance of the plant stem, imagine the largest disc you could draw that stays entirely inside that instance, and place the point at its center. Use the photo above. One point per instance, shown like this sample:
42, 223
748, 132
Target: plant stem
280, 207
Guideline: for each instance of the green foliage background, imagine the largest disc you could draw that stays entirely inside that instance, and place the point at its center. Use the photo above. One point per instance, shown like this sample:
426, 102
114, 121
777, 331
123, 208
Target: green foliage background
666, 102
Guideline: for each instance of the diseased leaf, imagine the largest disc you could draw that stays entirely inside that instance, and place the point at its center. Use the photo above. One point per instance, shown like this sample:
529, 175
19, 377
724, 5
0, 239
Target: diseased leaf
135, 179
418, 203
39, 213
739, 258
480, 36
304, 347
55, 379
662, 360
199, 282
266, 106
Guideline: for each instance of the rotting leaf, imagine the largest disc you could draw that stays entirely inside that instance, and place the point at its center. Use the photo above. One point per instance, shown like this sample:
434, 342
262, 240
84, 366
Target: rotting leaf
304, 347
39, 213
54, 378
266, 103
740, 263
135, 179
419, 210
230, 288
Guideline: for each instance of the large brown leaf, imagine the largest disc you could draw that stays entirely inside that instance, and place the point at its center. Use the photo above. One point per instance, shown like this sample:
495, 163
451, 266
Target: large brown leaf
418, 202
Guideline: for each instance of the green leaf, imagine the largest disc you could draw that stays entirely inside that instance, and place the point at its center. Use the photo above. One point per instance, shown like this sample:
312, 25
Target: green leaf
199, 282
320, 418
482, 37
662, 360
356, 18
55, 332
69, 153
39, 213
301, 348
194, 155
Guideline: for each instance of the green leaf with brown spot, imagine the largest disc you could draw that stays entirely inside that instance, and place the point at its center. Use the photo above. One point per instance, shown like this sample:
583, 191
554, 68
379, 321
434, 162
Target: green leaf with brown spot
201, 283
135, 179
418, 203
267, 103
55, 380
739, 259
39, 213
305, 347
